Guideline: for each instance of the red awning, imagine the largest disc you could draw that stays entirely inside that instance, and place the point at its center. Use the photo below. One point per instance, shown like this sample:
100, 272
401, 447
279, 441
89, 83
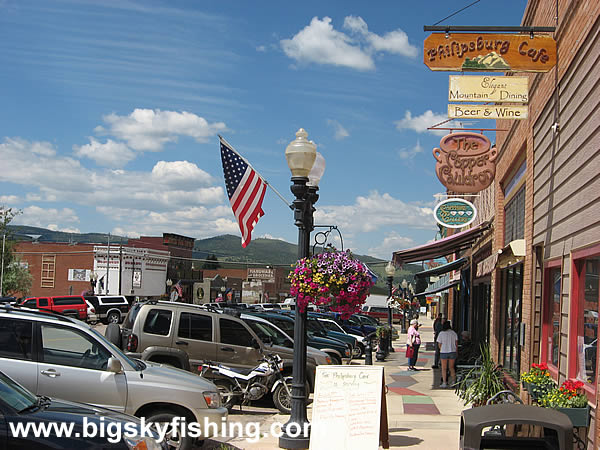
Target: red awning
443, 247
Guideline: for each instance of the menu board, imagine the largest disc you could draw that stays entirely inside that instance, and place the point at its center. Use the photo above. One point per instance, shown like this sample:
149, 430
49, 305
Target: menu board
349, 410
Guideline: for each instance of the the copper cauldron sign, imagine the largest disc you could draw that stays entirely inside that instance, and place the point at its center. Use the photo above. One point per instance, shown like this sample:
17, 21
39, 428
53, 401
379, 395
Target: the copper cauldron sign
466, 163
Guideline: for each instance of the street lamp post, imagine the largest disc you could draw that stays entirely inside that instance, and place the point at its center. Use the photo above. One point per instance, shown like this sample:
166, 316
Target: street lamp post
301, 155
2, 270
405, 310
389, 271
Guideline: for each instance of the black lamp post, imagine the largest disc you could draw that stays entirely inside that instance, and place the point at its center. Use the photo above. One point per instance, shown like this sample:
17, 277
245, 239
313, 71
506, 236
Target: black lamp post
405, 310
307, 167
389, 271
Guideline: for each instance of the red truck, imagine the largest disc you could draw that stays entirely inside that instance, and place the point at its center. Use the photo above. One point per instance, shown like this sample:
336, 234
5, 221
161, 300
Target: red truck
68, 305
381, 313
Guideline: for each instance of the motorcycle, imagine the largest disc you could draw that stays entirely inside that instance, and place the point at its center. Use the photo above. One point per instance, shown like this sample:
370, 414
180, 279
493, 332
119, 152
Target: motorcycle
241, 386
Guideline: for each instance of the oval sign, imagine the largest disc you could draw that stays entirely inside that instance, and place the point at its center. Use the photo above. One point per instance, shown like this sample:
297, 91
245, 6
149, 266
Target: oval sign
455, 213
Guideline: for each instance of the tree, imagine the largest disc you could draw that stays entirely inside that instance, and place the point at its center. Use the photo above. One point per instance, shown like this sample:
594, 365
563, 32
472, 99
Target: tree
16, 278
209, 264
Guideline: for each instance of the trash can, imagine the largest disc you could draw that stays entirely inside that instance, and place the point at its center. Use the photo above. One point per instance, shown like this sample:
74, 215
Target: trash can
474, 420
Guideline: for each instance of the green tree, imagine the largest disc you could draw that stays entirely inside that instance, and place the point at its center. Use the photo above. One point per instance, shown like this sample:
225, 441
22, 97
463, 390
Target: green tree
16, 279
211, 263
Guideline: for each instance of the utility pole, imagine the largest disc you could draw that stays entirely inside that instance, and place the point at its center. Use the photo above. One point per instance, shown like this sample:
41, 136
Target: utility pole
120, 262
2, 270
107, 263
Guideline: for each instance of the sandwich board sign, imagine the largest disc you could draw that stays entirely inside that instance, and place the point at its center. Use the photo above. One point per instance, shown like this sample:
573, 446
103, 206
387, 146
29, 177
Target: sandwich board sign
349, 409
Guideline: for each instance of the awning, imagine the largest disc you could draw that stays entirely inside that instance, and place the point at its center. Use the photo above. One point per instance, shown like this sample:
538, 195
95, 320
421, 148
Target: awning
443, 247
445, 268
514, 252
441, 285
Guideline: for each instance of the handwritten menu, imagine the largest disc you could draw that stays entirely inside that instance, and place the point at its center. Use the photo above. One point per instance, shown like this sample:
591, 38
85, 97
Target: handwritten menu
347, 408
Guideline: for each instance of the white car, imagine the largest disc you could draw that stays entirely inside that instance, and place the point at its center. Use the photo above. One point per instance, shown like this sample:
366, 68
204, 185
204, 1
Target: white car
332, 325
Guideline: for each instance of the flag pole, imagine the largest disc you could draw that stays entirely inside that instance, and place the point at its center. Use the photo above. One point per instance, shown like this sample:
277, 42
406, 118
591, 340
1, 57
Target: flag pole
289, 205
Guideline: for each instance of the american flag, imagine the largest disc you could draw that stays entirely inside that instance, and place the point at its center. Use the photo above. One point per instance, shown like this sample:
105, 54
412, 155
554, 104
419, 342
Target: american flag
245, 188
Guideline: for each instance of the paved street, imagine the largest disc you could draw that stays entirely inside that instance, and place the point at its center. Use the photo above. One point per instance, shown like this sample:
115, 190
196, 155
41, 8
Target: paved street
421, 414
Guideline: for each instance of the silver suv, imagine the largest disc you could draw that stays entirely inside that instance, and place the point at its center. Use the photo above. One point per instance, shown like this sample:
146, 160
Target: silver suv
64, 358
184, 335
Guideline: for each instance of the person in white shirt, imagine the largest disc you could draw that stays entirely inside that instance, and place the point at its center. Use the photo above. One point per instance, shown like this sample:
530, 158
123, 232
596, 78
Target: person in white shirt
447, 341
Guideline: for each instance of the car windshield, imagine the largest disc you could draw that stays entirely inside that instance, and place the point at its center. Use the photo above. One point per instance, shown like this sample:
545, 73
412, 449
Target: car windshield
116, 350
14, 395
315, 326
331, 326
267, 332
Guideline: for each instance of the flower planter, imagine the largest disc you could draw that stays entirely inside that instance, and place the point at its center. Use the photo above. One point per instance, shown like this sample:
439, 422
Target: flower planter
580, 417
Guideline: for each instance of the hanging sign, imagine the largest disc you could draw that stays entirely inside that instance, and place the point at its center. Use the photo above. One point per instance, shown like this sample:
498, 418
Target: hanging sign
488, 112
489, 52
455, 213
465, 162
473, 88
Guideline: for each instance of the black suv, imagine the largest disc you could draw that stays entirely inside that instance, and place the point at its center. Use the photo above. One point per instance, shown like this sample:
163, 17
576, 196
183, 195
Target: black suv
109, 308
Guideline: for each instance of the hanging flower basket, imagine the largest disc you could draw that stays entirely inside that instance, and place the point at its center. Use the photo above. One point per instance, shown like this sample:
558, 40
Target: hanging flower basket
334, 279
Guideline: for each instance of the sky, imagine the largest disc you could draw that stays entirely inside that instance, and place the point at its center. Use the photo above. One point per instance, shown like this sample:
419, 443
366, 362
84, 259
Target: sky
110, 112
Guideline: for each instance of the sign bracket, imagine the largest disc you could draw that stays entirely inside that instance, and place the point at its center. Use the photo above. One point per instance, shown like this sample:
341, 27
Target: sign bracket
491, 29
437, 127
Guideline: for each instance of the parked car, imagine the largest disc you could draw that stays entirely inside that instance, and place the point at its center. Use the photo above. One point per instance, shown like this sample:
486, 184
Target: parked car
332, 326
21, 407
185, 335
109, 308
92, 317
8, 300
68, 305
338, 351
381, 313
60, 357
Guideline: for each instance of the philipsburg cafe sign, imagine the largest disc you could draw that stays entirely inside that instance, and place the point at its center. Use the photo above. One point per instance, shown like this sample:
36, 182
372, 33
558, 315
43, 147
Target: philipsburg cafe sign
489, 52
465, 162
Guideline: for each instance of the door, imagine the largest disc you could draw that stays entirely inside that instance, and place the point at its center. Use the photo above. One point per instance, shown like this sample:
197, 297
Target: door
236, 345
17, 359
195, 336
73, 367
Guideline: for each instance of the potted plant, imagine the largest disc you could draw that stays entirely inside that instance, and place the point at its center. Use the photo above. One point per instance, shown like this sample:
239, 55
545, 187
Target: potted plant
334, 279
483, 382
570, 400
537, 381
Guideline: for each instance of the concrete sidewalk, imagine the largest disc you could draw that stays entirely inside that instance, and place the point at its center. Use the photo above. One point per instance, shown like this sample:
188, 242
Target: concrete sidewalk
420, 414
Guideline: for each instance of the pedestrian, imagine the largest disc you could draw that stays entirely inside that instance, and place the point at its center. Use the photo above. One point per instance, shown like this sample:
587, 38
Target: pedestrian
413, 340
437, 327
447, 341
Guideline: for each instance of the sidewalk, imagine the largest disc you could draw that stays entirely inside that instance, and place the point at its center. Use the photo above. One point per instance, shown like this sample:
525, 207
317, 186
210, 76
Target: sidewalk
421, 415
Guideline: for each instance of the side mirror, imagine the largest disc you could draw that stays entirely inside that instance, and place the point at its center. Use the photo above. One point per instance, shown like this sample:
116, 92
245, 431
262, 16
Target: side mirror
114, 365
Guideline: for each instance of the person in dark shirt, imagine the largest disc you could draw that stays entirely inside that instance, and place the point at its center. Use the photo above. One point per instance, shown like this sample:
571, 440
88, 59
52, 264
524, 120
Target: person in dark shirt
437, 327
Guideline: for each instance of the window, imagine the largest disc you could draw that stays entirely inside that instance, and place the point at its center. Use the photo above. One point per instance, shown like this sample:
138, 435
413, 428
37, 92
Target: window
195, 326
158, 321
67, 347
234, 333
15, 339
31, 304
48, 265
510, 296
586, 291
65, 301
551, 325
514, 217
42, 302
114, 300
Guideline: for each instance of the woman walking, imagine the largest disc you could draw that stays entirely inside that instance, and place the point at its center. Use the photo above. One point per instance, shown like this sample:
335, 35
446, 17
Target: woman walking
413, 341
447, 342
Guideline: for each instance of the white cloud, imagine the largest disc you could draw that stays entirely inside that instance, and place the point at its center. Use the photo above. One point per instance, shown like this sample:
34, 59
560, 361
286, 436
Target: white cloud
395, 42
270, 236
179, 173
51, 218
390, 244
421, 123
382, 210
109, 154
410, 153
339, 131
9, 199
320, 43
150, 130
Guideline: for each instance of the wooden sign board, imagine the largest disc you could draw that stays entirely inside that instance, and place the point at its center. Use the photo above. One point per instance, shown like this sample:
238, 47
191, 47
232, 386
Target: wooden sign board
473, 88
349, 409
488, 112
489, 52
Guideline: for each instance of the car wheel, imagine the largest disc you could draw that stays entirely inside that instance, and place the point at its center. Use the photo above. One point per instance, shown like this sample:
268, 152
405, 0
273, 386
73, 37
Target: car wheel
113, 334
173, 438
335, 360
228, 397
282, 399
113, 317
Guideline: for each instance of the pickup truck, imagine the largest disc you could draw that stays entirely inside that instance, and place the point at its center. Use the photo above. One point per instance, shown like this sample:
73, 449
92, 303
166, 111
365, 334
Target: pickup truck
68, 305
381, 313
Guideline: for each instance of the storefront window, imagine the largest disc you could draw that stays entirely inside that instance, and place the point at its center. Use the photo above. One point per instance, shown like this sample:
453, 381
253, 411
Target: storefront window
588, 332
511, 294
555, 279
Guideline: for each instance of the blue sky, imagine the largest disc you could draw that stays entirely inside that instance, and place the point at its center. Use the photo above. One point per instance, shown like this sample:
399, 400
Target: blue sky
111, 109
